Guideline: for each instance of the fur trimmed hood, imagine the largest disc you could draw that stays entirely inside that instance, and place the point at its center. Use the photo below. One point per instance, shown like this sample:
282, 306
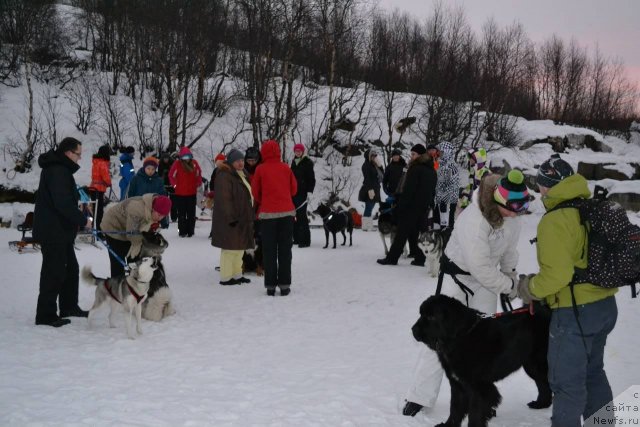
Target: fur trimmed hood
484, 197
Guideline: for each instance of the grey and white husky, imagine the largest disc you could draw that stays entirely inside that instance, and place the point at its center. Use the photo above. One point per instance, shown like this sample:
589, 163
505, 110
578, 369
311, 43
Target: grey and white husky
126, 291
433, 243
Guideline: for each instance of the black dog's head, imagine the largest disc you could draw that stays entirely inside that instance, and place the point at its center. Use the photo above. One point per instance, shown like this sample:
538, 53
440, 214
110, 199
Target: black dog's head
442, 319
153, 244
323, 210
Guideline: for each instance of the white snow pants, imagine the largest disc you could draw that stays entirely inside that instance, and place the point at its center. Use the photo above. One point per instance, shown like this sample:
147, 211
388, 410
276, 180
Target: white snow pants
428, 371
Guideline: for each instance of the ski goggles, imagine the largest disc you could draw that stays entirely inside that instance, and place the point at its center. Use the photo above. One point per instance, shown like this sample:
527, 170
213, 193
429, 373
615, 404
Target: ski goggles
517, 202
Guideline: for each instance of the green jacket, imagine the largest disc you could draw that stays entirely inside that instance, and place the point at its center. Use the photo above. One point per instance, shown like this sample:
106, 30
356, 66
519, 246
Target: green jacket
562, 243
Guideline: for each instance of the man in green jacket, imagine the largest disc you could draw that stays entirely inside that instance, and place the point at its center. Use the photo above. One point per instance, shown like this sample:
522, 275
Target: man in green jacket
576, 342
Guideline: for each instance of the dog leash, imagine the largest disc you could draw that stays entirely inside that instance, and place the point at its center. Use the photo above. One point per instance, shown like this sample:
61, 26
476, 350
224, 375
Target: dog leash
304, 204
529, 310
127, 270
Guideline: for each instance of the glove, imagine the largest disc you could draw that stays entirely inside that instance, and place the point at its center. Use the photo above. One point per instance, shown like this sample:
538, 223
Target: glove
523, 289
372, 194
233, 223
513, 292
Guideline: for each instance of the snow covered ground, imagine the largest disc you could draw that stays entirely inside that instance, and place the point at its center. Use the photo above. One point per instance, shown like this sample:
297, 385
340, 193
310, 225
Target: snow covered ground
338, 351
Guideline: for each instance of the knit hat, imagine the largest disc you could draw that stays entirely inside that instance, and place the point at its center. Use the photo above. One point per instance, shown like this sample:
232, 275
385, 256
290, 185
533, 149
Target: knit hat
234, 155
161, 205
419, 149
252, 153
553, 171
396, 152
220, 157
150, 161
479, 155
185, 153
511, 193
298, 147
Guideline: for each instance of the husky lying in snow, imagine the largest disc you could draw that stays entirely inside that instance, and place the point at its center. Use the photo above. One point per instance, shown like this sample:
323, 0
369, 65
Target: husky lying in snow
126, 291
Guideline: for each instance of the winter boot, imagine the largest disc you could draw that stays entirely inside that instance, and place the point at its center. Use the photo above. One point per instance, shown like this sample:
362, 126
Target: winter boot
411, 409
271, 292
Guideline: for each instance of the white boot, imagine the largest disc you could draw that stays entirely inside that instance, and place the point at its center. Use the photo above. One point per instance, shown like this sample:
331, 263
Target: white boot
367, 223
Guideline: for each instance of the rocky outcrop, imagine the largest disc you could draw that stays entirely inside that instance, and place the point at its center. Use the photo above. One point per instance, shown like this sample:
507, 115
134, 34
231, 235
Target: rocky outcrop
598, 171
13, 195
629, 201
574, 141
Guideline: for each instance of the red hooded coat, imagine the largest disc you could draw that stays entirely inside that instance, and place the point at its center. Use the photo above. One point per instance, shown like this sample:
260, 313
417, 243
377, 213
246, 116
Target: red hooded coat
273, 184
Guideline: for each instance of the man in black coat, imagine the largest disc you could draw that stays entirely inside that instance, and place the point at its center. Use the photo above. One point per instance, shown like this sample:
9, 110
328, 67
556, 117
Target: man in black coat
55, 225
393, 173
302, 168
415, 198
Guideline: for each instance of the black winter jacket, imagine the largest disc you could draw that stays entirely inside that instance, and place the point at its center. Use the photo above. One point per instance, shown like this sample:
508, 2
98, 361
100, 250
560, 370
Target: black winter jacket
305, 177
372, 178
56, 214
393, 176
419, 188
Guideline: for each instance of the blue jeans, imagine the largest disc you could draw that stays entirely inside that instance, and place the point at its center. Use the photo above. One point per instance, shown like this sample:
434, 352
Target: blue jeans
368, 208
576, 375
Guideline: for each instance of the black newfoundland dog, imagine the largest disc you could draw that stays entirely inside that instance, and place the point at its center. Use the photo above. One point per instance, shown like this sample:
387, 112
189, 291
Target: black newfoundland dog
476, 351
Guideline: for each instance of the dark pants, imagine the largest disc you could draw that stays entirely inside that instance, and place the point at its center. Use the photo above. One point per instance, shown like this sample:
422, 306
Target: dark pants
576, 374
186, 208
277, 240
408, 230
121, 248
59, 279
301, 232
174, 209
98, 196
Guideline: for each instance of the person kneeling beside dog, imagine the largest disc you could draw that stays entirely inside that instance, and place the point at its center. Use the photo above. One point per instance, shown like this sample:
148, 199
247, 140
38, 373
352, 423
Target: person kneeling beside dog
124, 222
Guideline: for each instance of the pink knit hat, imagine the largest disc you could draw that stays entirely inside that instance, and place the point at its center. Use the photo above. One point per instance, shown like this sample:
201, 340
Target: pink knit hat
298, 147
161, 205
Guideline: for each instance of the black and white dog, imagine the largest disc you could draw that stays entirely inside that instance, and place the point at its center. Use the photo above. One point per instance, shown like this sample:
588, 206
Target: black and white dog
158, 304
433, 242
386, 224
130, 292
335, 222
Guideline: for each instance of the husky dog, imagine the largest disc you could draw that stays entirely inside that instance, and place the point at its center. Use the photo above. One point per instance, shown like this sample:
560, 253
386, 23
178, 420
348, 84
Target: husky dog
386, 225
335, 222
433, 243
158, 304
129, 291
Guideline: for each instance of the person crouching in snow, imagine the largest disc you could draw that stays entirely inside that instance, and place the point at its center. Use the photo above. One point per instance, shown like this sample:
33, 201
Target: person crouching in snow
124, 222
232, 217
483, 244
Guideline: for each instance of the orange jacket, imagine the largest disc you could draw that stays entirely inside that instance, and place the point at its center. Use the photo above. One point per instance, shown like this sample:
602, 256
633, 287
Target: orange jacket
100, 176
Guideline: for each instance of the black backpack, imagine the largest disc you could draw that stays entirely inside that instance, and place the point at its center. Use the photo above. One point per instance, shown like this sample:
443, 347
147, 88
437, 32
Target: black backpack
613, 250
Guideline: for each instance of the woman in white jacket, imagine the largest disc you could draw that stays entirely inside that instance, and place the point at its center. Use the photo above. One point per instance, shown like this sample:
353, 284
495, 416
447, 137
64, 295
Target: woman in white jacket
484, 244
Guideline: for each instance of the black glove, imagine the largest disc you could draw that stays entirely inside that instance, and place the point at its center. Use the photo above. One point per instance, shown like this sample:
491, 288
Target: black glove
233, 223
411, 409
443, 207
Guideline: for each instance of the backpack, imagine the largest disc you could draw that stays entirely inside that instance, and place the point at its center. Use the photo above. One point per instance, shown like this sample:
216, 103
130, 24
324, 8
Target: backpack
613, 249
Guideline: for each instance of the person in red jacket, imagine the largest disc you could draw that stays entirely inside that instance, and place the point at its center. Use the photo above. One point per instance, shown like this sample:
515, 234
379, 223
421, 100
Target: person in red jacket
185, 176
273, 187
100, 180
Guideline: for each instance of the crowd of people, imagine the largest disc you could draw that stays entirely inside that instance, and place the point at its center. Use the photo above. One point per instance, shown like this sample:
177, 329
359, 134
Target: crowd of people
256, 196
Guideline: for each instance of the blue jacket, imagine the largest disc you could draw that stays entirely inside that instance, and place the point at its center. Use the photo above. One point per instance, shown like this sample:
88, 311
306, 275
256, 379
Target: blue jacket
142, 184
126, 173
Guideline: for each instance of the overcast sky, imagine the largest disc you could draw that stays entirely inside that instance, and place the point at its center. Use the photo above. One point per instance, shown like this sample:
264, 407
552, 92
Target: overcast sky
613, 25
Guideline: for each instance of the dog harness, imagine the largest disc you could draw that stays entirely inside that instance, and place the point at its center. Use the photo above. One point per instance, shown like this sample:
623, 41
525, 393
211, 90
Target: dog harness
133, 292
449, 267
